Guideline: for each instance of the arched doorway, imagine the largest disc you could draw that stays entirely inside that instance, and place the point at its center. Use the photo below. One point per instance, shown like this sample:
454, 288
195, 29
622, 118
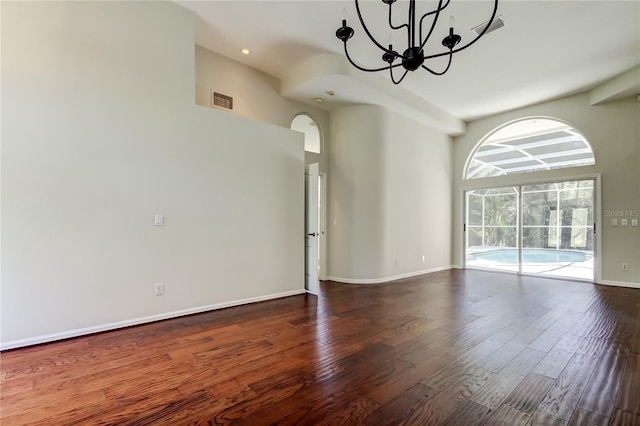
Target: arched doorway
544, 226
312, 137
314, 202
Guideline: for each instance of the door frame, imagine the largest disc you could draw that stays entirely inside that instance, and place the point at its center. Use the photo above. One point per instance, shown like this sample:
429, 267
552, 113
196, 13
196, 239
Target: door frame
322, 212
519, 182
311, 236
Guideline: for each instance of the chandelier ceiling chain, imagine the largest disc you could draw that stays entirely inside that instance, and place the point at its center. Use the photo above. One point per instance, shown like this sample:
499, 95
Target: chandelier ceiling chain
413, 56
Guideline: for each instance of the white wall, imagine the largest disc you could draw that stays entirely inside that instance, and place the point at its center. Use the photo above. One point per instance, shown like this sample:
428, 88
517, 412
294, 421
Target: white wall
390, 196
99, 133
256, 95
418, 203
356, 225
613, 130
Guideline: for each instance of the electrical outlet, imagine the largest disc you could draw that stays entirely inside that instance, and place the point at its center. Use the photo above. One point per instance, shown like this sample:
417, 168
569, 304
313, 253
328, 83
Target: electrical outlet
625, 266
397, 262
159, 289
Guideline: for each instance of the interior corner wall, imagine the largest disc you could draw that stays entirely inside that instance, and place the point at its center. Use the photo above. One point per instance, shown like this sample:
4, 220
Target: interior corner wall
613, 131
256, 95
390, 196
99, 134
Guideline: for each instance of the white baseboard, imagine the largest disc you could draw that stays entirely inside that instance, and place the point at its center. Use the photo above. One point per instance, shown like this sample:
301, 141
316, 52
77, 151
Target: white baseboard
13, 344
386, 279
619, 283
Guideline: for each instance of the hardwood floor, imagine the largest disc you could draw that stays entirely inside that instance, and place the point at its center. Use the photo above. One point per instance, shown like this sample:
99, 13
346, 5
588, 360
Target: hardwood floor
449, 348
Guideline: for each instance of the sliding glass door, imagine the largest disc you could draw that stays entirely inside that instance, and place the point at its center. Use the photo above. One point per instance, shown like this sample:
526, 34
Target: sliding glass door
544, 229
492, 229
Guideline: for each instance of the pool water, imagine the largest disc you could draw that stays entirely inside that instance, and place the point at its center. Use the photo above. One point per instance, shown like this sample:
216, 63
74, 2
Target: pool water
533, 256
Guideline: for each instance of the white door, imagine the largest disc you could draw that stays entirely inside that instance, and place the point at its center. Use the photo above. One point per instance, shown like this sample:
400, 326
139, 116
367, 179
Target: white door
311, 229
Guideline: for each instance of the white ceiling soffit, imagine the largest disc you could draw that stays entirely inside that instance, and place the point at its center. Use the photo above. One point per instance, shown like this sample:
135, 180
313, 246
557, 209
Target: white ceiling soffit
311, 79
546, 50
626, 84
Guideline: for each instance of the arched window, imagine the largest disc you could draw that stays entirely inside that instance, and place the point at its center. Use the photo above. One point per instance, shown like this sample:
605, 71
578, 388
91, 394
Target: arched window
305, 124
529, 145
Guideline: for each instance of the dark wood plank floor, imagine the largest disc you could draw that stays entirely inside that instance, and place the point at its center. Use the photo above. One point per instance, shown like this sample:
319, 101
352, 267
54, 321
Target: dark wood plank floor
449, 348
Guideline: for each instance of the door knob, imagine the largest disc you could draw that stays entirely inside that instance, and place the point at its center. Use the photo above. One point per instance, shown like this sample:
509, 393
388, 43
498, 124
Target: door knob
313, 234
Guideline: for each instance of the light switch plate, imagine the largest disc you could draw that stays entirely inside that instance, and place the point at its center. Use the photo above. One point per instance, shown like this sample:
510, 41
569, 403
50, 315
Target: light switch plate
614, 222
158, 220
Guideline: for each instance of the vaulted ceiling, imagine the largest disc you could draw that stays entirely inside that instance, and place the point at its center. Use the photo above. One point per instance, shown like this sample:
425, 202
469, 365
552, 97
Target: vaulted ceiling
546, 50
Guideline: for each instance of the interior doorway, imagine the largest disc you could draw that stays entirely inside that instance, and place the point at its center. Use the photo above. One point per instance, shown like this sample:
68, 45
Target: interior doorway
315, 196
543, 229
312, 228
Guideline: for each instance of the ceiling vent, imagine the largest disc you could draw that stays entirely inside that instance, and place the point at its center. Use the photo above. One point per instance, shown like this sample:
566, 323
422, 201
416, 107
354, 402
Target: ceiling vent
498, 22
219, 100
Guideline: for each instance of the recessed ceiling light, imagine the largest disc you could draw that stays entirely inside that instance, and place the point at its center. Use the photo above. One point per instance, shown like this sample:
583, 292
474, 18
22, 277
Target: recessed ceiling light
245, 51
319, 100
331, 92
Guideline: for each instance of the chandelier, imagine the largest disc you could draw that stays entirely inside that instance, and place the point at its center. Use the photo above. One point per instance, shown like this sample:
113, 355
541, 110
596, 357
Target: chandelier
418, 34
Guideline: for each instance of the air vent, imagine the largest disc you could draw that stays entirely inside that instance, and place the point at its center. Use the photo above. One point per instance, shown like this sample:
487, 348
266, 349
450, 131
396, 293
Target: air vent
498, 22
221, 101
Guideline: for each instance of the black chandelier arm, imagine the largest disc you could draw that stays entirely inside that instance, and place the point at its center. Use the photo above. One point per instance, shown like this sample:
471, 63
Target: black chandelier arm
366, 30
493, 15
433, 25
401, 78
346, 52
438, 10
439, 72
391, 24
